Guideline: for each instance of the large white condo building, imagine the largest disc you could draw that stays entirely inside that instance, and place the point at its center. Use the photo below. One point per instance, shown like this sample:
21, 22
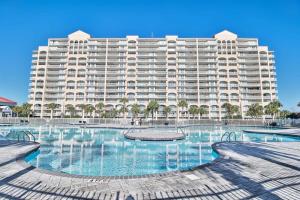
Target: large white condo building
206, 72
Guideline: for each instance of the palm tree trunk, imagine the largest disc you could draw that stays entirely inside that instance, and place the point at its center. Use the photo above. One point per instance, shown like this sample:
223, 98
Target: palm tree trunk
51, 114
152, 113
180, 113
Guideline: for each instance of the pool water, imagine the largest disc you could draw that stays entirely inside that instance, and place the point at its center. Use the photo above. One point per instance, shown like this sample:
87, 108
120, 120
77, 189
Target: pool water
105, 152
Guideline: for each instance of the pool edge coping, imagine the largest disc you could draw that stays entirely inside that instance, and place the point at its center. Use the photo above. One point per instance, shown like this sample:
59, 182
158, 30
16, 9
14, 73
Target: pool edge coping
20, 160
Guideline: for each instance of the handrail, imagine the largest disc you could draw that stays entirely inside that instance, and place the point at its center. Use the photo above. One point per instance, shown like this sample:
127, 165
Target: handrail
24, 133
182, 131
29, 133
225, 134
228, 134
126, 132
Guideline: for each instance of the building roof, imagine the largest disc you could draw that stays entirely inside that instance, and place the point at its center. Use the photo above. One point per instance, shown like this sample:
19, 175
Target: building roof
225, 35
77, 35
7, 102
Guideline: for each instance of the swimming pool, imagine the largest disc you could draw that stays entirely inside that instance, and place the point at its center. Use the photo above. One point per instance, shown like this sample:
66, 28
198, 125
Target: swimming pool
105, 152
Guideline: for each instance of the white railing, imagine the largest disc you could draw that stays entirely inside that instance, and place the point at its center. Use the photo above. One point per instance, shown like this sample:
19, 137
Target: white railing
125, 123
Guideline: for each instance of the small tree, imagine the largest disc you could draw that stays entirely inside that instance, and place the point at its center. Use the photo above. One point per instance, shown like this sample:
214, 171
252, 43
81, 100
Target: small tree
146, 113
52, 107
89, 109
71, 109
99, 108
167, 111
202, 111
284, 113
135, 110
82, 108
193, 110
152, 107
105, 114
231, 110
255, 110
124, 108
26, 109
182, 104
17, 110
273, 108
113, 113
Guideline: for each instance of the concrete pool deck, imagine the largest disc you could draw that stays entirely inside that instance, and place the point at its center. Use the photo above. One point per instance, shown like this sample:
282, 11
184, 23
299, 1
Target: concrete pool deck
245, 171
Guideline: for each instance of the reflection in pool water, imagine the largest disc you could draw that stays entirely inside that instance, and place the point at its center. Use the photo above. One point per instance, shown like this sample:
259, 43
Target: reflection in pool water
105, 152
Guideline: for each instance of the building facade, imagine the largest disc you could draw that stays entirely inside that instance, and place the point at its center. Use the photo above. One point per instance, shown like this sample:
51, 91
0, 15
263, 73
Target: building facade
205, 72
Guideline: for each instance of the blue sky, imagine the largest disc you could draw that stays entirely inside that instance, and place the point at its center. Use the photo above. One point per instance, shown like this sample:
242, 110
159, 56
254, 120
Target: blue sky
27, 24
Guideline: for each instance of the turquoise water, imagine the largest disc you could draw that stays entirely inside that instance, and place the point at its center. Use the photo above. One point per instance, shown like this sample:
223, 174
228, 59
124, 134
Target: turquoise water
105, 152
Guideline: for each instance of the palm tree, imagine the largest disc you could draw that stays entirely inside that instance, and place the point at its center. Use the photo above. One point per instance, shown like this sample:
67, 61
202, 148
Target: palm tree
113, 113
135, 109
273, 108
99, 108
146, 113
255, 110
52, 107
26, 109
105, 114
89, 109
230, 109
71, 109
193, 110
82, 108
152, 107
167, 111
182, 104
124, 108
17, 110
269, 110
202, 111
284, 113
298, 104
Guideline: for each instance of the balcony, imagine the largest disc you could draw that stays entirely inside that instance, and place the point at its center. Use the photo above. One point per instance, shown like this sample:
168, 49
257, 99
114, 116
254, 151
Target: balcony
55, 66
251, 97
250, 79
242, 84
57, 60
253, 73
